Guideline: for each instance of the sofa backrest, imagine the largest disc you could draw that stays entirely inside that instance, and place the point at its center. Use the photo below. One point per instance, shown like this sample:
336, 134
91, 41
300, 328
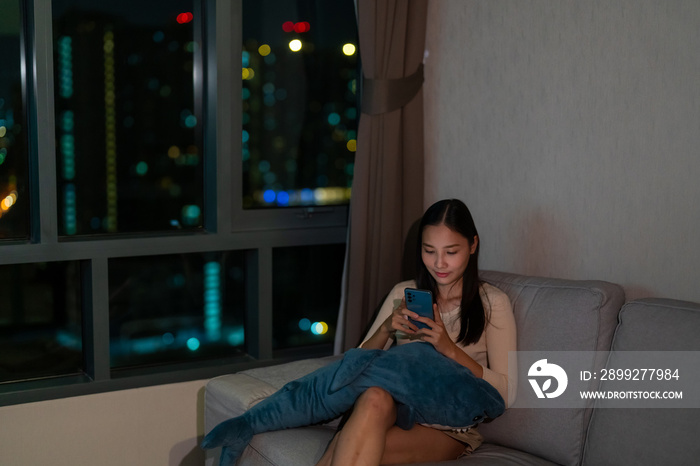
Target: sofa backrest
648, 436
554, 315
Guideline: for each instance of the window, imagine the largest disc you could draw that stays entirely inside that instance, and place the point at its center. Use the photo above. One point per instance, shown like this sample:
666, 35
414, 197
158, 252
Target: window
140, 243
304, 300
300, 115
14, 174
178, 307
128, 125
40, 320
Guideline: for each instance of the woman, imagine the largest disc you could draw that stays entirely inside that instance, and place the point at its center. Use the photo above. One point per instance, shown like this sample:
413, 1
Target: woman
468, 314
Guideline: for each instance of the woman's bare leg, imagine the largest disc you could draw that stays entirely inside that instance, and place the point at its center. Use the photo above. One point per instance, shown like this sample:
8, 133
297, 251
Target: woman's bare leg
328, 454
361, 441
370, 437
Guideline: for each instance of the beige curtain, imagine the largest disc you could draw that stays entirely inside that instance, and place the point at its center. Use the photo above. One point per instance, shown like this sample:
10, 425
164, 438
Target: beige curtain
387, 193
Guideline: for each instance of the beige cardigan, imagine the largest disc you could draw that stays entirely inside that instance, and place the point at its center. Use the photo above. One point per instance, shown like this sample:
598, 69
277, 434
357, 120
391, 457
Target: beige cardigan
491, 351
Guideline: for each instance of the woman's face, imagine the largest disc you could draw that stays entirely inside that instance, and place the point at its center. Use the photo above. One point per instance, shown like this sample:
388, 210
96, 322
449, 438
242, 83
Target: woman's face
446, 254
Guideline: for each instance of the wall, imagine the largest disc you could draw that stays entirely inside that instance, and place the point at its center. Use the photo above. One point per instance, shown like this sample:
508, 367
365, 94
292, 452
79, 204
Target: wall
572, 130
148, 426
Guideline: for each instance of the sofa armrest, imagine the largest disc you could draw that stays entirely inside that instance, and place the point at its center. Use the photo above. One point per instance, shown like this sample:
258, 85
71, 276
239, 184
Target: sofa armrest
231, 395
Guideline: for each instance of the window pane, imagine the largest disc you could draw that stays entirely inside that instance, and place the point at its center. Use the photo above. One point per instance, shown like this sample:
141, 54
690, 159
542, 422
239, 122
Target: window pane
14, 193
40, 320
299, 102
176, 308
306, 294
128, 115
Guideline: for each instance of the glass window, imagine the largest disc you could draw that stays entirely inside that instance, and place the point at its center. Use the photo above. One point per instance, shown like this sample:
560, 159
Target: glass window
14, 192
306, 294
40, 320
128, 115
299, 71
176, 308
107, 291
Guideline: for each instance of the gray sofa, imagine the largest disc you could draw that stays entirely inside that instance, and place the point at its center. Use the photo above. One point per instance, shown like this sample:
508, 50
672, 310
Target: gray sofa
551, 315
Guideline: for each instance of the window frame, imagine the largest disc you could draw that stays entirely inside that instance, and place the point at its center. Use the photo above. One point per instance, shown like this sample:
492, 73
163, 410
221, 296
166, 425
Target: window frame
227, 226
255, 219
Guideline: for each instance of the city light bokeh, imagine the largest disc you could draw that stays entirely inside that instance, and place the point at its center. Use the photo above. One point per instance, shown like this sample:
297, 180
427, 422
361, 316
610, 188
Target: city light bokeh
40, 320
295, 45
177, 307
305, 302
299, 103
128, 127
14, 154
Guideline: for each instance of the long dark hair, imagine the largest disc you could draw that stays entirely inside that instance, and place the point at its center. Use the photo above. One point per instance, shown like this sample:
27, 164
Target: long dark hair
455, 215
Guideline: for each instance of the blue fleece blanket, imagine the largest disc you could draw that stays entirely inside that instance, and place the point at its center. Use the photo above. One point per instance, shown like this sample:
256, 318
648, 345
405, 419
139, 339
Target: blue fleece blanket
428, 388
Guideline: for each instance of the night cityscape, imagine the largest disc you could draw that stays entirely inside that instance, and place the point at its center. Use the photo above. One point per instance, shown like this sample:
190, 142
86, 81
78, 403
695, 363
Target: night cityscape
14, 192
130, 153
300, 102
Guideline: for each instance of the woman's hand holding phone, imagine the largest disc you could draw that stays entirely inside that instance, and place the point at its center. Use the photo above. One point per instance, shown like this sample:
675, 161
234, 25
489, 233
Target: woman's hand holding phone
400, 319
428, 321
437, 335
413, 313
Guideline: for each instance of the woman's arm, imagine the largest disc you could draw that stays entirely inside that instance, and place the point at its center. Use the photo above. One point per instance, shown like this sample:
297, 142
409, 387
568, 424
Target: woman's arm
438, 336
377, 337
501, 339
381, 336
467, 361
389, 319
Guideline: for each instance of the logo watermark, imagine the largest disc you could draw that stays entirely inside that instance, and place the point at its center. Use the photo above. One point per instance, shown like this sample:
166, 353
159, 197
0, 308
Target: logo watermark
620, 379
550, 372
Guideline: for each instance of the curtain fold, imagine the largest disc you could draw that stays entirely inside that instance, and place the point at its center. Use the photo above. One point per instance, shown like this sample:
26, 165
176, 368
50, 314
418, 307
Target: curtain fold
387, 192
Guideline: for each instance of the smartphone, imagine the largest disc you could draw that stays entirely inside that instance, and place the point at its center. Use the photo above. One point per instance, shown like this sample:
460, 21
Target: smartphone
420, 302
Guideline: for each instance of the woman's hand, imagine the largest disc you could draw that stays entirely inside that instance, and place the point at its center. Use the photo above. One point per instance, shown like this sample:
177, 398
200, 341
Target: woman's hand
437, 335
398, 320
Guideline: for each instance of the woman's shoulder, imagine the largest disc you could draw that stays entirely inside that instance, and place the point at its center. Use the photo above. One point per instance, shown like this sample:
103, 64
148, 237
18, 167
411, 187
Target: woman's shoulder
495, 298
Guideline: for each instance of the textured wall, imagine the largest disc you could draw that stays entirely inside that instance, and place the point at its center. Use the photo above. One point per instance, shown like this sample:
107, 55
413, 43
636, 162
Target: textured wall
160, 425
572, 130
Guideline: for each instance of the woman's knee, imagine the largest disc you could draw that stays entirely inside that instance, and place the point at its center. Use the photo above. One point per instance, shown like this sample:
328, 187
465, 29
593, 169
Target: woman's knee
376, 401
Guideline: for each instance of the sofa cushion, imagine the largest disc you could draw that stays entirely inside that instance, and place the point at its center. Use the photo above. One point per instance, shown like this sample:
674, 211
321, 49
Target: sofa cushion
553, 315
302, 446
284, 373
648, 436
